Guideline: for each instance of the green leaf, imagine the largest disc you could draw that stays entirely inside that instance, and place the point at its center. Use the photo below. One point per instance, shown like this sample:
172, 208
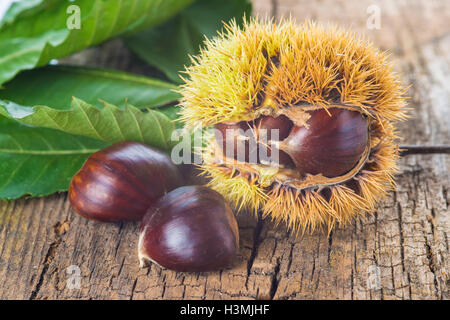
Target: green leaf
25, 8
54, 86
172, 112
168, 46
109, 123
35, 38
39, 161
18, 8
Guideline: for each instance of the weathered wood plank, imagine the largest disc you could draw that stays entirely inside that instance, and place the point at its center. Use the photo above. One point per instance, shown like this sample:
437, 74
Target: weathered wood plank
406, 241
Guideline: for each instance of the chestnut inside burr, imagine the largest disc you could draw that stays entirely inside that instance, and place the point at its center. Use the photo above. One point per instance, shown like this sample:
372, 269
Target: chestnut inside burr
252, 141
331, 143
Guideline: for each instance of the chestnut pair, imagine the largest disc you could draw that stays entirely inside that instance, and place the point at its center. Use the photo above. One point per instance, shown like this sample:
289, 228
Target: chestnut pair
183, 228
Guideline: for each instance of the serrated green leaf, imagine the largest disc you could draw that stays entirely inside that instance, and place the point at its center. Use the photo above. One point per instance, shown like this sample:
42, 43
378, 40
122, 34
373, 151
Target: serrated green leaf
172, 112
34, 39
54, 86
168, 46
39, 161
109, 123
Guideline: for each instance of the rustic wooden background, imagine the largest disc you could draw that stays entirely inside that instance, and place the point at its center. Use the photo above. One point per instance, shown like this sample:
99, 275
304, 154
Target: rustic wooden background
400, 252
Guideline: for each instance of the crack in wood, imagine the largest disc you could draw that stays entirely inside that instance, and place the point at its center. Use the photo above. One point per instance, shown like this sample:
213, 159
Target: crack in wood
444, 195
274, 8
274, 281
133, 288
47, 261
432, 267
330, 243
400, 232
256, 242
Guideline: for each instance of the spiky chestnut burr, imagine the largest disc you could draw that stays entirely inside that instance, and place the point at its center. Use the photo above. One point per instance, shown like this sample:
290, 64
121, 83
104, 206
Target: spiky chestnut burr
334, 98
190, 229
120, 182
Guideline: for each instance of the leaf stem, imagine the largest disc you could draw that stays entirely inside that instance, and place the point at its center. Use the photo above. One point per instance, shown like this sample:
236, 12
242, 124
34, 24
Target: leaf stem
420, 149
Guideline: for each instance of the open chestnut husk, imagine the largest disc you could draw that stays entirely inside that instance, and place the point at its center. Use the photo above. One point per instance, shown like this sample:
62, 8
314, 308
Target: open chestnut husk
120, 182
190, 229
335, 101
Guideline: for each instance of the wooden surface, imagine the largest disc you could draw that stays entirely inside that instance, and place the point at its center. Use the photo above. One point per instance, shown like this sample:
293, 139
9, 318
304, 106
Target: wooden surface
400, 252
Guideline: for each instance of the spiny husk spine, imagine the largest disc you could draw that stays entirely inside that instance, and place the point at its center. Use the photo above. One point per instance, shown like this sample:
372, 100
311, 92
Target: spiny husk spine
313, 64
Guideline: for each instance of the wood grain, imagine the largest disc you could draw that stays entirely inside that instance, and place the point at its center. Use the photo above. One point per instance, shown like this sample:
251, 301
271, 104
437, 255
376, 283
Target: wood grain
405, 242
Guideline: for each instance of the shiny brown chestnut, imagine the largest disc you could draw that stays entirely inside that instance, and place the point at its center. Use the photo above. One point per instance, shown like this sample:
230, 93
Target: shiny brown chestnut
282, 123
265, 126
238, 141
331, 145
120, 182
190, 229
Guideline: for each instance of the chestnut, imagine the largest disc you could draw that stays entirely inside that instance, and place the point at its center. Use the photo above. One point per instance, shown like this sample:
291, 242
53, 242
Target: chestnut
237, 140
265, 126
120, 182
190, 229
281, 122
332, 144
